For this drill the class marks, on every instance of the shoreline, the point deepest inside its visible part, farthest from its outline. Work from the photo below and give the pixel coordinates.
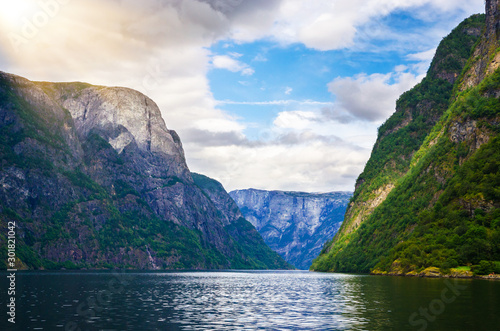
(433, 272)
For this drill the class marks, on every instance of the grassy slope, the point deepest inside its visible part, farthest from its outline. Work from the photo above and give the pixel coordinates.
(417, 111)
(395, 220)
(462, 225)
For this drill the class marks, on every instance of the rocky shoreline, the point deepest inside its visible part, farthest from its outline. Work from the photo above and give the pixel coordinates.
(433, 272)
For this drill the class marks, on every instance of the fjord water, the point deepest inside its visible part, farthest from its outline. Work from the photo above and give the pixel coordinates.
(243, 300)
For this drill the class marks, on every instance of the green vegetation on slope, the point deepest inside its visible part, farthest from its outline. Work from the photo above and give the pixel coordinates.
(119, 231)
(118, 237)
(417, 111)
(77, 203)
(443, 209)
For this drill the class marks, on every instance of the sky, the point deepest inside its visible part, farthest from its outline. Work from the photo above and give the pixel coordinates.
(267, 94)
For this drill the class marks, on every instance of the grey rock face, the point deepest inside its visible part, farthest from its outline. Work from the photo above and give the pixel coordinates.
(294, 224)
(248, 239)
(129, 114)
(93, 178)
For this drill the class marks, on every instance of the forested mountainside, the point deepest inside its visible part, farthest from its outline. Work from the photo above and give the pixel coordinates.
(429, 195)
(93, 178)
(294, 224)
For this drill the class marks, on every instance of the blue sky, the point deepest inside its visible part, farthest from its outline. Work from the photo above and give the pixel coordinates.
(295, 76)
(291, 73)
(269, 94)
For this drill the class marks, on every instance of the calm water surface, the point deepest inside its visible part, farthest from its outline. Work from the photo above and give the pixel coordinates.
(288, 300)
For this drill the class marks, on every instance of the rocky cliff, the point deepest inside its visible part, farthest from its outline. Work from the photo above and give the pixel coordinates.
(294, 224)
(93, 178)
(245, 234)
(427, 197)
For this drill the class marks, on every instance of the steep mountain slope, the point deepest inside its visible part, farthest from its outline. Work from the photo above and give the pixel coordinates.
(428, 196)
(93, 178)
(294, 224)
(249, 241)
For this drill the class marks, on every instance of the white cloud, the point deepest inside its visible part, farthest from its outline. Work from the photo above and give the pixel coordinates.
(231, 64)
(326, 125)
(235, 55)
(422, 56)
(226, 124)
(328, 31)
(276, 102)
(423, 60)
(259, 58)
(328, 25)
(296, 120)
(309, 166)
(288, 90)
(371, 97)
(160, 48)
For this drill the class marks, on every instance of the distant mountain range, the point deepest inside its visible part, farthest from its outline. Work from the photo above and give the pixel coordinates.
(294, 224)
(93, 178)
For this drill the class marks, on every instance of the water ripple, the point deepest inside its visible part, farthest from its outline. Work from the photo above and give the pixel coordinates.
(242, 300)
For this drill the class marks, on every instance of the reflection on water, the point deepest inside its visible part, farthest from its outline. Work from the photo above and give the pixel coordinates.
(259, 300)
(287, 300)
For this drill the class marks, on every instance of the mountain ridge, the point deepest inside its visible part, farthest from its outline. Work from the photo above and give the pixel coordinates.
(294, 224)
(403, 198)
(93, 178)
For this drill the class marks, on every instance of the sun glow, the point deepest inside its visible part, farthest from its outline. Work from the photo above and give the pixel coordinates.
(13, 13)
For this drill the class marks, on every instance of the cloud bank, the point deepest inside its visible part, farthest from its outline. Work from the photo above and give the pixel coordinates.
(162, 48)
